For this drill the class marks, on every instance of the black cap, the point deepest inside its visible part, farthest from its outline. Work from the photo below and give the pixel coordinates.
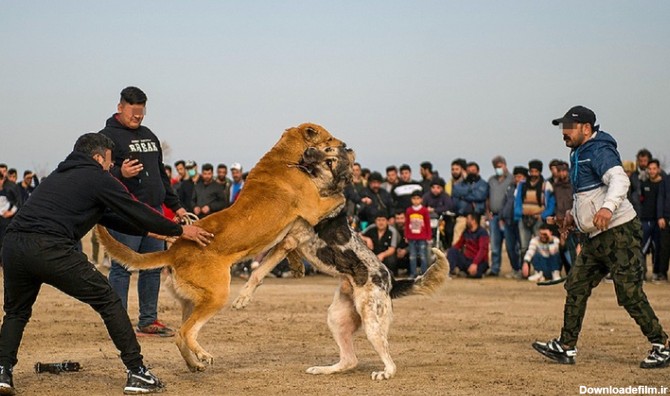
(375, 176)
(417, 193)
(437, 181)
(535, 164)
(578, 114)
(520, 170)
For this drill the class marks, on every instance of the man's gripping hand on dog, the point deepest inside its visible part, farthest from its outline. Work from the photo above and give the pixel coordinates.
(190, 232)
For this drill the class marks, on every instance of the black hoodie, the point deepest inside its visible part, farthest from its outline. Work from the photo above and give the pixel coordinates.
(151, 185)
(79, 194)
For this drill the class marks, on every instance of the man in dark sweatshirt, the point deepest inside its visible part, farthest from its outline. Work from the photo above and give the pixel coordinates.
(40, 248)
(663, 213)
(138, 163)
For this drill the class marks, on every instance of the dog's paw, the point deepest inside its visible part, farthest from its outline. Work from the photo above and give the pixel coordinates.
(317, 370)
(196, 366)
(241, 302)
(381, 375)
(205, 357)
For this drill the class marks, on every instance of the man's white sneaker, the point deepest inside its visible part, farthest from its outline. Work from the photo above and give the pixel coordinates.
(555, 275)
(659, 357)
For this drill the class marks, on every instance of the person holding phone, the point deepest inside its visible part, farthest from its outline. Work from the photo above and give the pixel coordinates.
(138, 160)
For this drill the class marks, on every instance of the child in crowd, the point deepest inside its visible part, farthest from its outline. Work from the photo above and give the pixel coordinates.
(417, 233)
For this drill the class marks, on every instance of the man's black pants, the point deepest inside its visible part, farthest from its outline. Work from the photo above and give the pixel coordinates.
(29, 260)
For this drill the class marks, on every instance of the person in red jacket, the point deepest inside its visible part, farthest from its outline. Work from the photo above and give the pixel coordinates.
(470, 254)
(417, 233)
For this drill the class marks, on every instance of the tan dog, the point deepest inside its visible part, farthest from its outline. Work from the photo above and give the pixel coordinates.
(279, 198)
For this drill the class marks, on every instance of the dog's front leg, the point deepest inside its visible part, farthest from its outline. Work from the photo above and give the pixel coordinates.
(268, 263)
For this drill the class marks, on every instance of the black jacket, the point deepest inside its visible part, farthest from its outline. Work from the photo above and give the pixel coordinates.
(151, 185)
(212, 195)
(663, 208)
(79, 194)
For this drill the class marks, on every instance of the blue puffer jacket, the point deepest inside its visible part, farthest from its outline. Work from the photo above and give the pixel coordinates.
(599, 181)
(469, 197)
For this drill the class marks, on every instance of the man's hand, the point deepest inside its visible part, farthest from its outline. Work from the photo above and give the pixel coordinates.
(368, 242)
(366, 200)
(205, 209)
(472, 269)
(602, 219)
(525, 269)
(662, 224)
(197, 234)
(130, 168)
(181, 213)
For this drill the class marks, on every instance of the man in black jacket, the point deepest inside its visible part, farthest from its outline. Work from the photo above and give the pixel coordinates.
(40, 248)
(138, 161)
(208, 195)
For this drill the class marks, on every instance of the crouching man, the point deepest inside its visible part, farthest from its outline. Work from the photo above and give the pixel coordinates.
(39, 247)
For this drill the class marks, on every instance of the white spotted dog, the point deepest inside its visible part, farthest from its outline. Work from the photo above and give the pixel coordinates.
(365, 291)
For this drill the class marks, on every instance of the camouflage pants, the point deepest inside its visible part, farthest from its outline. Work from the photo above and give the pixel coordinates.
(616, 251)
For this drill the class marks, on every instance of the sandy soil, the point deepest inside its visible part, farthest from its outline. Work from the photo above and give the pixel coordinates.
(472, 337)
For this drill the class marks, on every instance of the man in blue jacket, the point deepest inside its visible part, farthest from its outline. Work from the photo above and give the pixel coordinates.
(469, 196)
(601, 209)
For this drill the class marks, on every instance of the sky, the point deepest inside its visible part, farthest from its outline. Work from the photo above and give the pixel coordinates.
(398, 81)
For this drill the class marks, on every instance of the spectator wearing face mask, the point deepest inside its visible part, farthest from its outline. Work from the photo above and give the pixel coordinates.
(469, 197)
(498, 185)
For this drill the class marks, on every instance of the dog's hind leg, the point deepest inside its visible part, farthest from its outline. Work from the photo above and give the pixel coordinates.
(376, 312)
(203, 310)
(343, 321)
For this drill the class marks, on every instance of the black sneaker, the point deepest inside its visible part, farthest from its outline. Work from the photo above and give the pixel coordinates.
(555, 351)
(142, 381)
(659, 357)
(6, 383)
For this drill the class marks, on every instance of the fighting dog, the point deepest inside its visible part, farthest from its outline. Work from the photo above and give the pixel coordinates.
(365, 291)
(279, 199)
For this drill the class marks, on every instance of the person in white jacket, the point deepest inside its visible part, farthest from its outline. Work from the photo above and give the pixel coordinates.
(543, 255)
(601, 209)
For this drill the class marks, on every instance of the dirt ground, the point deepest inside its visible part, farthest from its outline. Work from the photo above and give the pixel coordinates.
(472, 337)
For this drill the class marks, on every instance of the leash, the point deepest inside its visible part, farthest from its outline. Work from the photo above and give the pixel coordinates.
(189, 219)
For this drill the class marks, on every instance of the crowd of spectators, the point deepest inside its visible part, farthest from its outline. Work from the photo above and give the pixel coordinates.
(470, 218)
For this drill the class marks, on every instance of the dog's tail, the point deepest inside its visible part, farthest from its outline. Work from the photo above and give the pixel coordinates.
(129, 257)
(426, 284)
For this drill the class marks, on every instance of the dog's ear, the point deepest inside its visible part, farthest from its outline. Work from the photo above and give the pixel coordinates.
(311, 134)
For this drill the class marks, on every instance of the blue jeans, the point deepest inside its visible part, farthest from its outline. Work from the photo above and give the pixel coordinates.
(651, 241)
(458, 260)
(148, 282)
(417, 247)
(546, 264)
(512, 245)
(497, 235)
